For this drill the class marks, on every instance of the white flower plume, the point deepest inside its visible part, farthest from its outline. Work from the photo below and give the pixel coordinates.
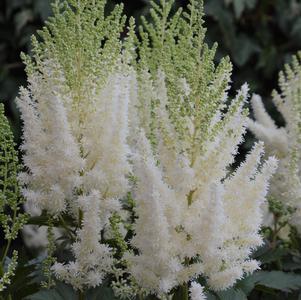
(207, 216)
(283, 142)
(100, 126)
(93, 260)
(196, 291)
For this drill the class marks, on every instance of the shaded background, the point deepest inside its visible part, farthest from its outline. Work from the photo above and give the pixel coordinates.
(259, 35)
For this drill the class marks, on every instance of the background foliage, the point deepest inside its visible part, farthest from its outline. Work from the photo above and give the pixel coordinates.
(258, 35)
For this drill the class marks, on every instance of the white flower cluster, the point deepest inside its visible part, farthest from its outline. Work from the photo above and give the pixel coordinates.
(92, 258)
(197, 220)
(50, 150)
(283, 142)
(196, 292)
(76, 171)
(99, 125)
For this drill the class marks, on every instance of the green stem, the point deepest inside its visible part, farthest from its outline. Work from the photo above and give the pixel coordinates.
(80, 217)
(81, 295)
(15, 208)
(185, 291)
(189, 197)
(140, 296)
(10, 239)
(181, 293)
(68, 230)
(275, 233)
(1, 271)
(5, 251)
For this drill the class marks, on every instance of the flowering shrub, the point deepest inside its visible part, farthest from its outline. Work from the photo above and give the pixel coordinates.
(128, 152)
(283, 142)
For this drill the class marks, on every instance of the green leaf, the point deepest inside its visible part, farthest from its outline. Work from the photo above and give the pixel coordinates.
(65, 292)
(232, 294)
(239, 6)
(246, 285)
(42, 8)
(22, 18)
(210, 296)
(60, 292)
(277, 280)
(102, 292)
(181, 293)
(244, 48)
(291, 266)
(273, 255)
(251, 3)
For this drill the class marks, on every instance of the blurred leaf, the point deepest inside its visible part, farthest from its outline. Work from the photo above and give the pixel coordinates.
(232, 294)
(60, 292)
(42, 8)
(239, 6)
(65, 292)
(268, 61)
(251, 3)
(22, 18)
(279, 280)
(102, 292)
(243, 48)
(12, 5)
(296, 29)
(210, 296)
(274, 280)
(273, 255)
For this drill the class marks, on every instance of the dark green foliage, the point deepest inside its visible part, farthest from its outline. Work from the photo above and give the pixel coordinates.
(19, 19)
(10, 219)
(64, 292)
(258, 35)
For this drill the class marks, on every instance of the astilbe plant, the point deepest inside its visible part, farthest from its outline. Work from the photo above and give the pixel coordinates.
(283, 142)
(11, 218)
(128, 153)
(74, 113)
(199, 219)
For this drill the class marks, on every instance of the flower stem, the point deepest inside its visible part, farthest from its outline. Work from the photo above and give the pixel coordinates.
(81, 295)
(181, 293)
